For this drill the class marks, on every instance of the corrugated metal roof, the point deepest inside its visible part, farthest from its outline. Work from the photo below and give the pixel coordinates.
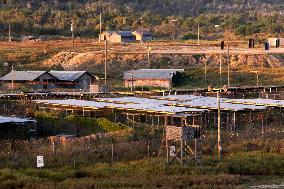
(145, 33)
(125, 33)
(121, 33)
(67, 75)
(14, 120)
(151, 73)
(22, 75)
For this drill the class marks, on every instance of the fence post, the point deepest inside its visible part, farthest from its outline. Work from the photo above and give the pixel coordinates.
(148, 148)
(111, 151)
(181, 152)
(74, 159)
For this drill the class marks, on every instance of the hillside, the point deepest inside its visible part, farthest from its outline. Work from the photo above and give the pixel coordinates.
(92, 61)
(53, 17)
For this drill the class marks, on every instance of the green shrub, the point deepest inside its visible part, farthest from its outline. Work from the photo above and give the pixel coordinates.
(255, 163)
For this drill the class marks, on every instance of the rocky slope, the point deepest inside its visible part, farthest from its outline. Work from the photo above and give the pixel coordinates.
(94, 62)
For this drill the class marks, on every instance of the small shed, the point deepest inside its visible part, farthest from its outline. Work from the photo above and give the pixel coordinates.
(163, 78)
(29, 79)
(142, 35)
(73, 79)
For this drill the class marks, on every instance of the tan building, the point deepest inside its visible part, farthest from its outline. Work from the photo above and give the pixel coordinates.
(118, 36)
(142, 35)
(151, 77)
(272, 41)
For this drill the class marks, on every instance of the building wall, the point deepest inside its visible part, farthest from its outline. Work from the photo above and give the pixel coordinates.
(140, 37)
(45, 81)
(128, 39)
(149, 82)
(84, 82)
(114, 38)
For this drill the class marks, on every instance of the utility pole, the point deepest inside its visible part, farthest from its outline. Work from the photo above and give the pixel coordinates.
(100, 27)
(72, 30)
(198, 33)
(219, 125)
(228, 61)
(105, 62)
(9, 38)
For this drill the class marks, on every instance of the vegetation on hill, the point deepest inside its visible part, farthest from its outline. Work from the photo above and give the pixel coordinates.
(164, 17)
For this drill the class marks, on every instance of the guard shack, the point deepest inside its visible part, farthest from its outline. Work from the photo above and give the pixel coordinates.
(178, 139)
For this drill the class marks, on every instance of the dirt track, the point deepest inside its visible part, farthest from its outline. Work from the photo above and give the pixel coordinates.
(168, 47)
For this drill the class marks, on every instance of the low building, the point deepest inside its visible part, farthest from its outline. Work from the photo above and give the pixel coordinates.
(73, 79)
(38, 80)
(142, 35)
(28, 79)
(118, 36)
(164, 78)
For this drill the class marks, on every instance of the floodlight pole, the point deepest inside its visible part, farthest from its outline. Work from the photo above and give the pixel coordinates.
(100, 27)
(72, 30)
(219, 125)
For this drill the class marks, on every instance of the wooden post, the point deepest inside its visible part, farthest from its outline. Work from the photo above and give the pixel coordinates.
(53, 147)
(262, 126)
(205, 73)
(234, 121)
(164, 133)
(112, 152)
(167, 151)
(74, 159)
(195, 143)
(105, 62)
(148, 149)
(181, 152)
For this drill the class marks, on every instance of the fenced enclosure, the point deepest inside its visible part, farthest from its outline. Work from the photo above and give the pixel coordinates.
(141, 142)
